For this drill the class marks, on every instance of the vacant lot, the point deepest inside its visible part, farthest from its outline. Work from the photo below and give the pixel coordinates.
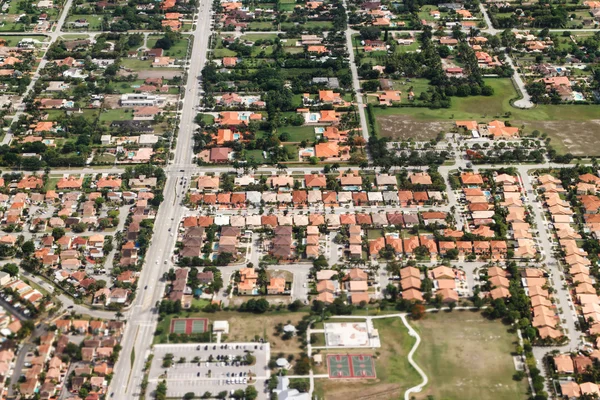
(470, 360)
(559, 120)
(403, 127)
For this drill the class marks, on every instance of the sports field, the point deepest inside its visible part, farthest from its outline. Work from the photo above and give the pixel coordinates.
(341, 366)
(189, 326)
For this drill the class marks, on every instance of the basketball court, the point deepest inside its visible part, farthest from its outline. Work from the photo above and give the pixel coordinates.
(189, 326)
(342, 366)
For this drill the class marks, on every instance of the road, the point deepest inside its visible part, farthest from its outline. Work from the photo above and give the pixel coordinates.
(53, 36)
(142, 317)
(356, 84)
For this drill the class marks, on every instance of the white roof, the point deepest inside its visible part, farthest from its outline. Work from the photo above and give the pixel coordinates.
(374, 196)
(221, 220)
(253, 197)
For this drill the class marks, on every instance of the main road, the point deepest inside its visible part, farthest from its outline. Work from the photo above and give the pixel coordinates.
(142, 316)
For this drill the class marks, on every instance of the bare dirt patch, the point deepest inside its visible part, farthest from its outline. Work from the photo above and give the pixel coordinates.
(244, 328)
(580, 138)
(403, 127)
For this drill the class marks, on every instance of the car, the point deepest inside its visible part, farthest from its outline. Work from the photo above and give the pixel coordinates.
(70, 307)
(145, 287)
(197, 347)
(198, 374)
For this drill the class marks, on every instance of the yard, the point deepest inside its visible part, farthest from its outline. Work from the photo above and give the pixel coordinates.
(470, 360)
(94, 21)
(117, 114)
(13, 40)
(298, 133)
(178, 50)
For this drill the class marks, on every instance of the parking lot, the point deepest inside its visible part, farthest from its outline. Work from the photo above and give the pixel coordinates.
(210, 367)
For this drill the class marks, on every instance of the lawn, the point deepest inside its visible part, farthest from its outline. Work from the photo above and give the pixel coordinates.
(374, 234)
(256, 155)
(394, 373)
(470, 360)
(135, 64)
(14, 40)
(299, 133)
(117, 114)
(51, 182)
(261, 26)
(178, 50)
(95, 22)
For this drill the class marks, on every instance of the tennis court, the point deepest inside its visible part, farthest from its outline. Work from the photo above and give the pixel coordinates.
(189, 325)
(350, 366)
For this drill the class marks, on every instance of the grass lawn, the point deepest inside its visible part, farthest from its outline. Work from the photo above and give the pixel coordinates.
(470, 360)
(208, 119)
(220, 53)
(95, 22)
(14, 40)
(299, 133)
(51, 182)
(258, 36)
(256, 155)
(374, 234)
(394, 373)
(178, 50)
(261, 25)
(135, 64)
(104, 158)
(292, 150)
(118, 114)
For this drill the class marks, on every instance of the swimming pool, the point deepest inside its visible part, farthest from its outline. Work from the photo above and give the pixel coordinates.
(236, 136)
(319, 129)
(313, 117)
(577, 96)
(352, 188)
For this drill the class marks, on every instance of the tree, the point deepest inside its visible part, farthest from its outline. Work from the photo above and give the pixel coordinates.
(417, 311)
(11, 269)
(28, 247)
(57, 233)
(251, 393)
(370, 33)
(189, 395)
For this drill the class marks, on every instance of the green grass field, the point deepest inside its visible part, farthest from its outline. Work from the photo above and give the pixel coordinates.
(14, 40)
(470, 360)
(299, 133)
(178, 50)
(95, 22)
(118, 114)
(256, 155)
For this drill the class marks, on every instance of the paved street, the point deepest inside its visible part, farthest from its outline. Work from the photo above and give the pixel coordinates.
(142, 318)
